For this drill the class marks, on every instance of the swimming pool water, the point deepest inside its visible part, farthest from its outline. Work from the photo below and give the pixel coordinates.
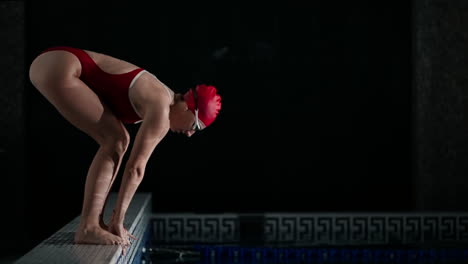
(270, 254)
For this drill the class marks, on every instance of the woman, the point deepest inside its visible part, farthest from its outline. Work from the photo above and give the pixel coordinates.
(98, 94)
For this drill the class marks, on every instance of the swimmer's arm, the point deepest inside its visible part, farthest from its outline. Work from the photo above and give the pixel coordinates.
(153, 129)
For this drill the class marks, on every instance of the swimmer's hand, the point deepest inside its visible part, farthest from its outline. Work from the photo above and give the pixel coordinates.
(117, 228)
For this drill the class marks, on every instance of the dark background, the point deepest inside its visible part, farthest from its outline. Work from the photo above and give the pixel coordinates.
(318, 107)
(315, 117)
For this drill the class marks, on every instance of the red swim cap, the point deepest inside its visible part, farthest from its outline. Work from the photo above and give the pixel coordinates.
(206, 100)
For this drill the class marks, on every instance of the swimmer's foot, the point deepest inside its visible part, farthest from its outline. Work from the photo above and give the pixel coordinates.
(97, 235)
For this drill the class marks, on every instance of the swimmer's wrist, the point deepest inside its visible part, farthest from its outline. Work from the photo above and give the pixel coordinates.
(118, 217)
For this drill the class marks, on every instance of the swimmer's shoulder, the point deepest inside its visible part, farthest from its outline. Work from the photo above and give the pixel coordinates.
(148, 90)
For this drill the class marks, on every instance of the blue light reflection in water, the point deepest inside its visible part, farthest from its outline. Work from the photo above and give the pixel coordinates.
(269, 255)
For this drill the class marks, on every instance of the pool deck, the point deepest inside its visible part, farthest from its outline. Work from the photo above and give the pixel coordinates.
(60, 248)
(272, 229)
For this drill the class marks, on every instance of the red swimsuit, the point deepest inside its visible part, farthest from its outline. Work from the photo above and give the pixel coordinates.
(112, 89)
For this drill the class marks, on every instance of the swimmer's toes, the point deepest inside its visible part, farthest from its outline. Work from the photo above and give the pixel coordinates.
(95, 235)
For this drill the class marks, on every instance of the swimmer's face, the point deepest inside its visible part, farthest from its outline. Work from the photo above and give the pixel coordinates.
(181, 118)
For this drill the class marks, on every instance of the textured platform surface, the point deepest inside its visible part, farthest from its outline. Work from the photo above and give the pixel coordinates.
(60, 248)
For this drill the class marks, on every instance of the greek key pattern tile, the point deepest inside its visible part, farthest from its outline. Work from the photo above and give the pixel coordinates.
(196, 228)
(315, 228)
(330, 229)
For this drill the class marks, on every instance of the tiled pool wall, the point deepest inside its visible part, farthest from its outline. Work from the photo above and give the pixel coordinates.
(313, 228)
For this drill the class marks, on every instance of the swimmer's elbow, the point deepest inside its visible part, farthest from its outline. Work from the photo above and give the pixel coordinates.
(137, 162)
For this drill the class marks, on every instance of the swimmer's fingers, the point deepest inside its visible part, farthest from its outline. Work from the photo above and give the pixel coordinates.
(124, 249)
(132, 236)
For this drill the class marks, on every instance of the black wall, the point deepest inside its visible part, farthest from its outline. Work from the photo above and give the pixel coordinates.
(13, 168)
(440, 41)
(316, 106)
